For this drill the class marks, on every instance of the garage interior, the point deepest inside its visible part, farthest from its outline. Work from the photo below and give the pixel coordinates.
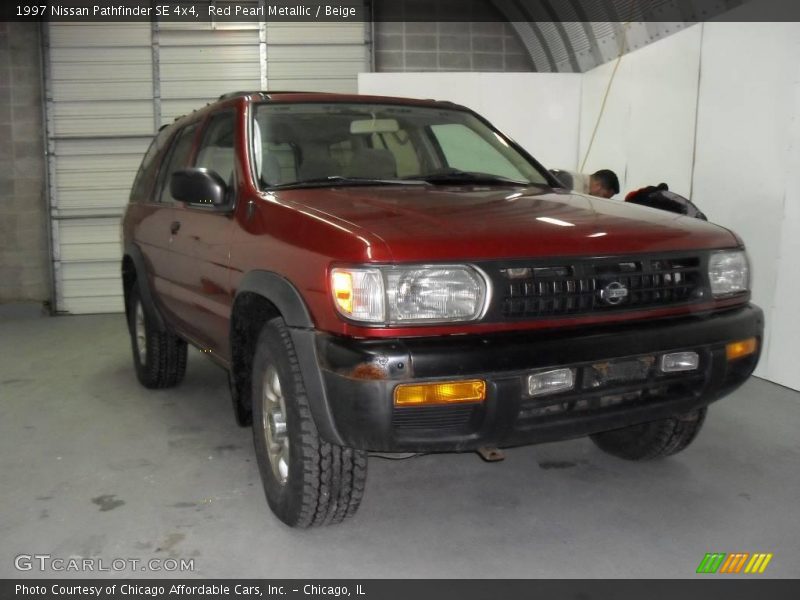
(94, 465)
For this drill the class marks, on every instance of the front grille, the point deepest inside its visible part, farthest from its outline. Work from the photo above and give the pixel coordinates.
(600, 285)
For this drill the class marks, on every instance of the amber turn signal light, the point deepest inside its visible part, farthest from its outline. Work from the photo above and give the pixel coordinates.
(441, 393)
(736, 350)
(343, 290)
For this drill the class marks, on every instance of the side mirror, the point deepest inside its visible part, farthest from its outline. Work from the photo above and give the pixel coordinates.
(564, 178)
(200, 187)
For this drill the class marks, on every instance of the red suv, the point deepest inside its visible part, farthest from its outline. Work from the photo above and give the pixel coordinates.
(393, 275)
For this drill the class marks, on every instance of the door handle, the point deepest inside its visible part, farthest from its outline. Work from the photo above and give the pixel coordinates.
(176, 225)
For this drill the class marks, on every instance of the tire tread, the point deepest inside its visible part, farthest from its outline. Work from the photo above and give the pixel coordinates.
(333, 476)
(654, 440)
(167, 354)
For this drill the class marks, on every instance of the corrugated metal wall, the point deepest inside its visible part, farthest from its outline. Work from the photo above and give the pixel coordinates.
(316, 56)
(100, 117)
(110, 86)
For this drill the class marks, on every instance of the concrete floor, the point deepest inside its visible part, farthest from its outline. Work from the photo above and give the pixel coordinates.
(93, 465)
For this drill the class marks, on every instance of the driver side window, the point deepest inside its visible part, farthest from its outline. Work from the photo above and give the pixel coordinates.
(178, 157)
(216, 152)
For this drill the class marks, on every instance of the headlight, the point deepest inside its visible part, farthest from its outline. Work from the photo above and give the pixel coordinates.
(728, 272)
(397, 295)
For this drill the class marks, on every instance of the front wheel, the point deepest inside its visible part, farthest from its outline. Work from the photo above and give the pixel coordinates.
(656, 439)
(307, 480)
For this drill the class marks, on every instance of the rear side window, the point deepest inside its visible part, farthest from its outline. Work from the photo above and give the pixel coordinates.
(146, 176)
(177, 159)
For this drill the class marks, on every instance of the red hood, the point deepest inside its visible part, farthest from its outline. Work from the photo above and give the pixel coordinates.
(473, 222)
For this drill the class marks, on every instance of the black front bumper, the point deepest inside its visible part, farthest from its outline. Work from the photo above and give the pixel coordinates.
(351, 382)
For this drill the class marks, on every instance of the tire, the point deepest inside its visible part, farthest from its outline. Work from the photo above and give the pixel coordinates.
(307, 481)
(656, 439)
(159, 356)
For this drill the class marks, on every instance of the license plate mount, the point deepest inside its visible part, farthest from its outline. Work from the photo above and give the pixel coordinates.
(618, 372)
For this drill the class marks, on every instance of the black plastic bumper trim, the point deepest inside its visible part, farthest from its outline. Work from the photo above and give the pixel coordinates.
(355, 379)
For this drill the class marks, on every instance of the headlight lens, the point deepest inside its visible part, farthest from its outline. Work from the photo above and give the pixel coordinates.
(728, 272)
(397, 295)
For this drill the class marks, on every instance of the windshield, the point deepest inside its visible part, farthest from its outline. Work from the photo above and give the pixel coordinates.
(381, 144)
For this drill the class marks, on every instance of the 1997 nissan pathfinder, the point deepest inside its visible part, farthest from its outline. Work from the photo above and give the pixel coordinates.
(393, 275)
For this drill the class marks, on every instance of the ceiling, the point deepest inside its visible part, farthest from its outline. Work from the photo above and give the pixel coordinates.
(573, 36)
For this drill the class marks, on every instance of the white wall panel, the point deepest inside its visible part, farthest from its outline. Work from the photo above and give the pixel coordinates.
(88, 266)
(746, 108)
(198, 66)
(107, 90)
(746, 169)
(172, 109)
(95, 35)
(81, 74)
(92, 184)
(100, 118)
(214, 63)
(323, 57)
(86, 72)
(173, 58)
(314, 34)
(95, 175)
(538, 110)
(90, 287)
(610, 142)
(205, 36)
(90, 240)
(646, 132)
(105, 147)
(782, 364)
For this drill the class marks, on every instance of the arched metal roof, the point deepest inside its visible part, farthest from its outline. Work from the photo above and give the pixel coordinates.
(573, 36)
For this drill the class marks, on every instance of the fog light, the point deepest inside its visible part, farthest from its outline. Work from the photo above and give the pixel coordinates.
(550, 382)
(447, 392)
(676, 362)
(739, 349)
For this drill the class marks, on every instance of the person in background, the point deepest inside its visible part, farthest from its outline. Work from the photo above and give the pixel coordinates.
(603, 183)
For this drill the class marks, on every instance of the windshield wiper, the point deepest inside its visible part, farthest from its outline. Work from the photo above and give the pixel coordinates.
(340, 181)
(454, 176)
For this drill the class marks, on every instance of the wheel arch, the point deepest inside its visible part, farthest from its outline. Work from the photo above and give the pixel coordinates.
(134, 271)
(261, 296)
